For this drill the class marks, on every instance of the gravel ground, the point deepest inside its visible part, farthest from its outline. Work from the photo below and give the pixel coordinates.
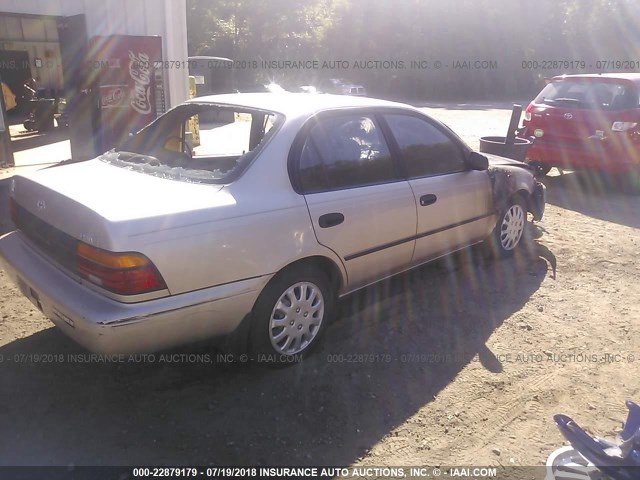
(464, 361)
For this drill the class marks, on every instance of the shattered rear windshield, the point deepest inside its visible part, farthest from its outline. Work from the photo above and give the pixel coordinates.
(199, 143)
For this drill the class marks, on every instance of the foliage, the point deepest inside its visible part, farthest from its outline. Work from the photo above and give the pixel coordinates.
(424, 31)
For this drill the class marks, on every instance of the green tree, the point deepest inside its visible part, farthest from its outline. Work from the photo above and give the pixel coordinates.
(432, 30)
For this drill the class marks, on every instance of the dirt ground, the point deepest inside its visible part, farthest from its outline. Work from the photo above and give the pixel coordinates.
(464, 361)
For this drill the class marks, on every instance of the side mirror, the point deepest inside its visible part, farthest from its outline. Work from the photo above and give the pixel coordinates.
(477, 161)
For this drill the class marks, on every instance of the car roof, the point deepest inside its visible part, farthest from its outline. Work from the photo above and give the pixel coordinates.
(295, 104)
(634, 77)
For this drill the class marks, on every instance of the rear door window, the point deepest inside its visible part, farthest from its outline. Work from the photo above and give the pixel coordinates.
(345, 151)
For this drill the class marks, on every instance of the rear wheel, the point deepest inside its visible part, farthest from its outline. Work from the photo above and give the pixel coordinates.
(290, 315)
(541, 169)
(509, 230)
(30, 125)
(631, 182)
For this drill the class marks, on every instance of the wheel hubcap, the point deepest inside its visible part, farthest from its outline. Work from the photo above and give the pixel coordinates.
(512, 227)
(296, 318)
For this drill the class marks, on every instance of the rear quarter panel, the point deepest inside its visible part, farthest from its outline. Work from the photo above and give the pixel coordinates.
(254, 240)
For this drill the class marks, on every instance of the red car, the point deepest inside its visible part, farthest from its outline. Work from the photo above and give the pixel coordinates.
(586, 122)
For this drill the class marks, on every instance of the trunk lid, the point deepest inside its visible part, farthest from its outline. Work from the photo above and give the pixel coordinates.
(103, 204)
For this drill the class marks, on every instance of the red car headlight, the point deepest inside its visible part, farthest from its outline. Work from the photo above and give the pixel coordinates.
(623, 126)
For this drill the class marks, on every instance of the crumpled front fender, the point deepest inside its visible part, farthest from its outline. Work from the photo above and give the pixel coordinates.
(508, 180)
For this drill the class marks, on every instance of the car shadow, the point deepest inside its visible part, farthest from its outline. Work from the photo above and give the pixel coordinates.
(594, 195)
(391, 350)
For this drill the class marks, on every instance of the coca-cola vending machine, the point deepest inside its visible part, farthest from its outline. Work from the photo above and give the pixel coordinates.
(127, 84)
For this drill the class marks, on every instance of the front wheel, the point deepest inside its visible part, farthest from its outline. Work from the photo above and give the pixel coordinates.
(290, 315)
(509, 230)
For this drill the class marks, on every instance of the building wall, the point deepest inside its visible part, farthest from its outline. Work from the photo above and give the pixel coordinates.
(39, 38)
(166, 18)
(50, 74)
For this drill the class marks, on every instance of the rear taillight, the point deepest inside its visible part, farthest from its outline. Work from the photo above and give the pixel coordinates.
(623, 126)
(123, 273)
(527, 113)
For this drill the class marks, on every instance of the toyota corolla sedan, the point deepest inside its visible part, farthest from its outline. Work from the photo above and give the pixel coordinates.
(251, 214)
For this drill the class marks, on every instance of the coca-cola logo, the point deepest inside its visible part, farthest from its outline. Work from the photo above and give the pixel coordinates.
(140, 72)
(112, 97)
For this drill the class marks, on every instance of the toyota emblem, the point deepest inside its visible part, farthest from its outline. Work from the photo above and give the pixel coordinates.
(41, 205)
(568, 116)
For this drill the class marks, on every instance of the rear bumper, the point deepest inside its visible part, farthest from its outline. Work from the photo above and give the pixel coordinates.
(103, 325)
(611, 156)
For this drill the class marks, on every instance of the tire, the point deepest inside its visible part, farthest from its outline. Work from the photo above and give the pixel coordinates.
(508, 234)
(290, 316)
(541, 169)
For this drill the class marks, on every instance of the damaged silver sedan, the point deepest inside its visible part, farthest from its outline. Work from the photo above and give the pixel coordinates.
(251, 214)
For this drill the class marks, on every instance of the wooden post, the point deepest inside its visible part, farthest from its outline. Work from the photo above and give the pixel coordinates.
(513, 124)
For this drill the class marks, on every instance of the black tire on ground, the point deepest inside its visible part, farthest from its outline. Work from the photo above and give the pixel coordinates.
(290, 315)
(630, 182)
(540, 168)
(508, 235)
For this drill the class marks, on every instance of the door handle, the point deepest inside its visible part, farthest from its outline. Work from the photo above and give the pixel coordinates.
(330, 219)
(428, 199)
